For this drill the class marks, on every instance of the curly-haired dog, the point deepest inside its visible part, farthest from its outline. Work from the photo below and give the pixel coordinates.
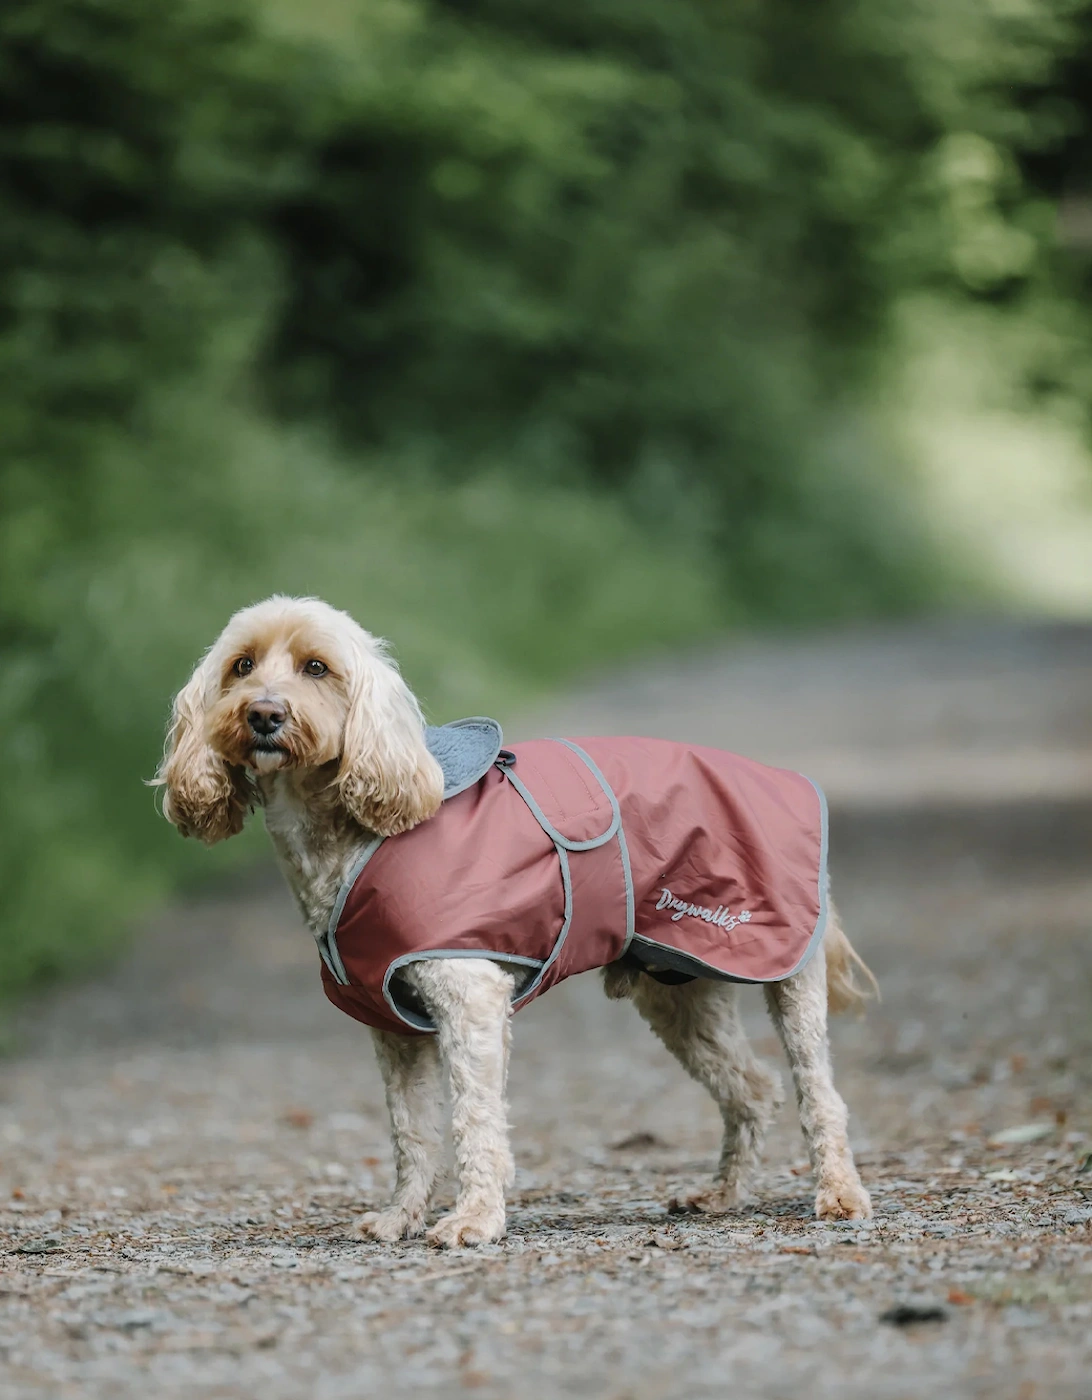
(680, 889)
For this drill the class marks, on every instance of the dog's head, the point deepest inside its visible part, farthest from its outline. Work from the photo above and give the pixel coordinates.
(292, 683)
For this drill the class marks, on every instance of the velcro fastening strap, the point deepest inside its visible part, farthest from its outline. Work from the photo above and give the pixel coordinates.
(566, 793)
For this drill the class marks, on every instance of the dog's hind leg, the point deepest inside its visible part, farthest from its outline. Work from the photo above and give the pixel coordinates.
(799, 1010)
(410, 1065)
(699, 1025)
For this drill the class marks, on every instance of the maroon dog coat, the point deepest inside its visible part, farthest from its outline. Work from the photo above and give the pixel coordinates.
(559, 856)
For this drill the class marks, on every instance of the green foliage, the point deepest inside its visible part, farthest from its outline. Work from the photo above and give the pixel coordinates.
(637, 244)
(531, 332)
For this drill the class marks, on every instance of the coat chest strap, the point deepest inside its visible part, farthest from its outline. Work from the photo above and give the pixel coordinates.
(578, 810)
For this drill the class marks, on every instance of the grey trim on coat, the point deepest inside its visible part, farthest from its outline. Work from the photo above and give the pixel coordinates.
(424, 1023)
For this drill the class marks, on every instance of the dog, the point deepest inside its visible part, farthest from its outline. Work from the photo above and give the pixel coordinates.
(298, 710)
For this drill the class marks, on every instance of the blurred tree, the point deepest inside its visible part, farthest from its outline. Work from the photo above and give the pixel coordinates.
(640, 245)
(113, 217)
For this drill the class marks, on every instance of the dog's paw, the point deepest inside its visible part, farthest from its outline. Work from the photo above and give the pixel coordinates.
(388, 1225)
(843, 1200)
(461, 1227)
(720, 1199)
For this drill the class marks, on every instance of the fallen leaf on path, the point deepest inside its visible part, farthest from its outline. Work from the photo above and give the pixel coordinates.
(636, 1141)
(959, 1298)
(48, 1246)
(1023, 1132)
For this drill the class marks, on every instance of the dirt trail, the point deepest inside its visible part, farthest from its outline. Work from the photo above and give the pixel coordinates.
(183, 1143)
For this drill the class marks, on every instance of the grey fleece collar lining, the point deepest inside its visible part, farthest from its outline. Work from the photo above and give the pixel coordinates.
(465, 750)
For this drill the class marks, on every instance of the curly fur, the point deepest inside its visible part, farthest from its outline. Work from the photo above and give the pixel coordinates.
(360, 717)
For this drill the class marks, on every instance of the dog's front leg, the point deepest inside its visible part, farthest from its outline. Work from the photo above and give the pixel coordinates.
(469, 1000)
(410, 1065)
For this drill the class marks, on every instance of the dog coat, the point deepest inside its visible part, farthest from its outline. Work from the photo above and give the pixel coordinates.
(558, 856)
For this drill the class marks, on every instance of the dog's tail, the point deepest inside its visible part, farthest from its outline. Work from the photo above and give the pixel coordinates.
(845, 991)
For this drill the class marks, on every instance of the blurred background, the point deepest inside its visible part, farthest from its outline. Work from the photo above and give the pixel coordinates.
(536, 333)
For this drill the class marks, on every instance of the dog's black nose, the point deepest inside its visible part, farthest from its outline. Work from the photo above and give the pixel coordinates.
(265, 717)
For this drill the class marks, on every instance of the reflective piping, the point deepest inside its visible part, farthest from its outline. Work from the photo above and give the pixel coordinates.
(824, 881)
(555, 951)
(623, 847)
(627, 875)
(323, 952)
(350, 880)
(684, 962)
(332, 956)
(424, 1023)
(540, 816)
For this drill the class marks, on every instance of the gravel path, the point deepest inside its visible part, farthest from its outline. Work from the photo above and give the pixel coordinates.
(183, 1143)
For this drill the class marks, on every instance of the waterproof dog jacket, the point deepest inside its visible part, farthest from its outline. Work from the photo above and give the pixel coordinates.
(558, 856)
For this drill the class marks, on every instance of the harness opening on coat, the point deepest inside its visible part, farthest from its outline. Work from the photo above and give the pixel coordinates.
(557, 856)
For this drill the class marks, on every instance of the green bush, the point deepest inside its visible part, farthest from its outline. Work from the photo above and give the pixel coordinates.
(639, 245)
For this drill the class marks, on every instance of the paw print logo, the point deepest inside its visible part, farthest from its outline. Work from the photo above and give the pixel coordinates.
(745, 916)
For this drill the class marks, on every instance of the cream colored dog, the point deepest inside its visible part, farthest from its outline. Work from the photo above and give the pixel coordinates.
(298, 710)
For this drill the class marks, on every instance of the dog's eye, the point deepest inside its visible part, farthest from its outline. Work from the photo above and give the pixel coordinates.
(243, 666)
(315, 668)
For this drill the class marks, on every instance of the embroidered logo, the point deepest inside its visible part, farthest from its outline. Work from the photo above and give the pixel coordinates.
(722, 916)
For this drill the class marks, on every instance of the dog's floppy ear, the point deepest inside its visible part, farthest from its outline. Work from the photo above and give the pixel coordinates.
(388, 780)
(203, 796)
